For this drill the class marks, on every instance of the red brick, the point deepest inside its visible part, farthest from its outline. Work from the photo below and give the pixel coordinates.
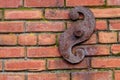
(27, 39)
(8, 52)
(107, 62)
(52, 76)
(117, 75)
(12, 76)
(61, 64)
(46, 39)
(92, 40)
(23, 14)
(8, 39)
(56, 14)
(31, 65)
(45, 26)
(6, 27)
(0, 66)
(44, 3)
(92, 75)
(85, 2)
(113, 2)
(10, 3)
(107, 37)
(93, 50)
(115, 49)
(114, 25)
(43, 52)
(106, 12)
(101, 25)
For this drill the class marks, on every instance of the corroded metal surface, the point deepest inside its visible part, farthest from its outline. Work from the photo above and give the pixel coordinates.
(78, 33)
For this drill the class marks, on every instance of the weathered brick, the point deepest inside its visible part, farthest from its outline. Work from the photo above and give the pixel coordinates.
(107, 37)
(43, 3)
(12, 76)
(56, 14)
(93, 50)
(101, 25)
(10, 3)
(85, 2)
(43, 52)
(45, 26)
(23, 14)
(8, 39)
(61, 64)
(92, 40)
(114, 25)
(115, 49)
(113, 2)
(10, 52)
(46, 39)
(93, 75)
(31, 65)
(27, 39)
(13, 26)
(106, 12)
(106, 62)
(117, 75)
(52, 76)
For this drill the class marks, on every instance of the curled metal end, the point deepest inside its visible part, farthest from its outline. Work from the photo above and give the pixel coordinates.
(78, 33)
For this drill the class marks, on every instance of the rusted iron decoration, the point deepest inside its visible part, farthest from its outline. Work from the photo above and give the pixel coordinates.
(79, 32)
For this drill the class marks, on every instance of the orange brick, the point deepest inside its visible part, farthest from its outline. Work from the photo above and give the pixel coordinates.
(114, 25)
(43, 52)
(107, 37)
(117, 75)
(52, 76)
(101, 25)
(10, 3)
(45, 26)
(23, 14)
(13, 26)
(31, 65)
(8, 39)
(92, 75)
(27, 39)
(44, 3)
(106, 12)
(8, 52)
(56, 14)
(107, 62)
(85, 2)
(46, 39)
(61, 64)
(113, 2)
(92, 40)
(115, 49)
(12, 76)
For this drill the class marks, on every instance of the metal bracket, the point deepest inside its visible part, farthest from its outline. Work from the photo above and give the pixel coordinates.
(79, 32)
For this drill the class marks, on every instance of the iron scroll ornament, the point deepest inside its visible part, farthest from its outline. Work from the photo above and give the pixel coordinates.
(79, 32)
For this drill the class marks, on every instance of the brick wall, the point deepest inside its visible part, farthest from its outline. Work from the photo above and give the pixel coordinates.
(29, 31)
